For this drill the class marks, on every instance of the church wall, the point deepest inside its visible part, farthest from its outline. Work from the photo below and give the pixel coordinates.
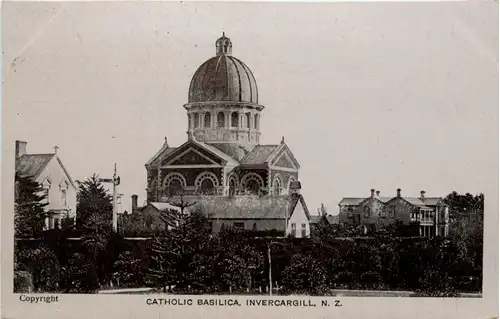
(190, 174)
(243, 171)
(284, 176)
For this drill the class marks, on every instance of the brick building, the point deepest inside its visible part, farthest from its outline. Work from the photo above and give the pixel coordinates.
(375, 211)
(222, 156)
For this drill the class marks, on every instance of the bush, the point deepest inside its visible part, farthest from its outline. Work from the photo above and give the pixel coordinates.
(23, 282)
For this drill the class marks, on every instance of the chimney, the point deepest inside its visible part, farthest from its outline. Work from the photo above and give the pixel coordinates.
(422, 194)
(377, 193)
(20, 148)
(134, 203)
(372, 192)
(399, 192)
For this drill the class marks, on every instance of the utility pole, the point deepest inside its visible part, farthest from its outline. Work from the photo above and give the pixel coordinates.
(270, 266)
(115, 181)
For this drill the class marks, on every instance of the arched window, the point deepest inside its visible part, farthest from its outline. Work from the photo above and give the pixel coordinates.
(247, 122)
(190, 119)
(207, 187)
(256, 121)
(196, 120)
(277, 187)
(174, 187)
(232, 187)
(206, 183)
(234, 119)
(253, 186)
(208, 119)
(220, 119)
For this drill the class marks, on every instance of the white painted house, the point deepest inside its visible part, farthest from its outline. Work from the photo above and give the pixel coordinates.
(48, 170)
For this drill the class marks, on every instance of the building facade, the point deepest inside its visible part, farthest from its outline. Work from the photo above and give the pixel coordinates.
(222, 156)
(49, 171)
(375, 211)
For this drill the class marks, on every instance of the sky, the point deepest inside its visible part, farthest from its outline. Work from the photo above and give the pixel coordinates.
(382, 96)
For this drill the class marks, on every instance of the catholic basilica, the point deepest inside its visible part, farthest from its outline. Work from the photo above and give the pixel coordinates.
(222, 155)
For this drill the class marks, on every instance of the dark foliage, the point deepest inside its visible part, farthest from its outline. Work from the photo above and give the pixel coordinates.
(29, 212)
(93, 199)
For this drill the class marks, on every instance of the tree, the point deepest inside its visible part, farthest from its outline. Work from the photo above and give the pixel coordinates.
(179, 255)
(29, 208)
(42, 264)
(93, 199)
(128, 269)
(463, 209)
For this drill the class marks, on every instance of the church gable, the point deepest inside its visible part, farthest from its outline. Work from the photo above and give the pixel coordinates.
(285, 159)
(191, 157)
(191, 154)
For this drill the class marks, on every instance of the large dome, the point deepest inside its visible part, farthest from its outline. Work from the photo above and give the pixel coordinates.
(223, 78)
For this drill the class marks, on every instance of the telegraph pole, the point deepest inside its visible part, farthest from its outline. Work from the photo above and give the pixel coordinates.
(115, 181)
(115, 206)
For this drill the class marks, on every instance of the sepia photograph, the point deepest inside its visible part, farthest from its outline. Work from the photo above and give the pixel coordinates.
(250, 154)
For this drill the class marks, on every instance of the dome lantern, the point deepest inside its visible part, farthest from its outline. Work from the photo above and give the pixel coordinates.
(223, 45)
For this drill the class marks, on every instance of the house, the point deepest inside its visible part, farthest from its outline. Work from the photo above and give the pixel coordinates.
(287, 213)
(48, 170)
(373, 212)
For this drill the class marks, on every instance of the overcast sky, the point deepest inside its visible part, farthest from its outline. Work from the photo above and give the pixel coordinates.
(384, 96)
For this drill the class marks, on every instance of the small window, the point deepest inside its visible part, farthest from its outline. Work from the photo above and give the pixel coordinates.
(220, 119)
(239, 226)
(196, 120)
(208, 118)
(63, 197)
(256, 121)
(247, 122)
(234, 119)
(294, 230)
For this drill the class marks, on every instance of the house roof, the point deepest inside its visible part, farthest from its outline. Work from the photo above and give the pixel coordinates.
(433, 201)
(163, 206)
(333, 219)
(246, 207)
(315, 219)
(32, 164)
(354, 201)
(259, 154)
(295, 200)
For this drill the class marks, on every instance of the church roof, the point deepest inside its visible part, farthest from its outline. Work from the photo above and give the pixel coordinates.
(229, 159)
(165, 149)
(260, 154)
(32, 164)
(238, 152)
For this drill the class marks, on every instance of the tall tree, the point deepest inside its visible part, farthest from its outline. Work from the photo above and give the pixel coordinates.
(93, 199)
(29, 209)
(179, 255)
(463, 209)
